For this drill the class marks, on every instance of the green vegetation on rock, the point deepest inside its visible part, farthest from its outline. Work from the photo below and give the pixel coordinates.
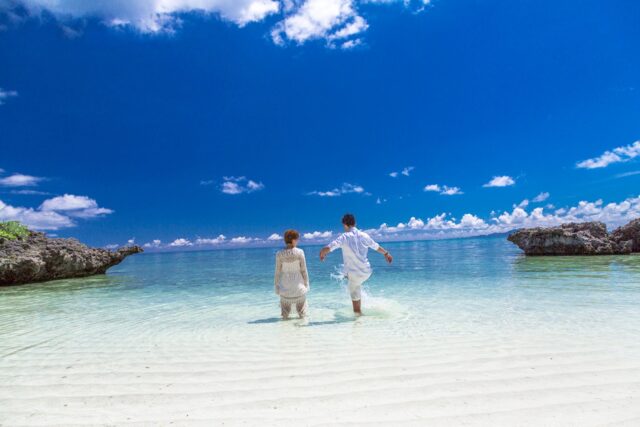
(12, 230)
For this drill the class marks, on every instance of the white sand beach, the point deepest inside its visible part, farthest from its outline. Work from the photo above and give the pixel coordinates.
(306, 377)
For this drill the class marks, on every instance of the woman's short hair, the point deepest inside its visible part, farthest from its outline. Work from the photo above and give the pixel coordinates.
(290, 236)
(349, 220)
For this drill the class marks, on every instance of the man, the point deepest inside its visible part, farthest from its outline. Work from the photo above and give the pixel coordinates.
(355, 244)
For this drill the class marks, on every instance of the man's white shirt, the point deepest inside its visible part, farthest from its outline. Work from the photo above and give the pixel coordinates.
(355, 245)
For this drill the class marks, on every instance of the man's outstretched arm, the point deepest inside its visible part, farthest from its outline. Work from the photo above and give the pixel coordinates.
(331, 247)
(386, 254)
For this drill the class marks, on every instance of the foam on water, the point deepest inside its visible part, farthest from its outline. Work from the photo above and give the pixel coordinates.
(372, 306)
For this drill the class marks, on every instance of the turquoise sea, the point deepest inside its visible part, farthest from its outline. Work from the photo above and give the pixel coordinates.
(195, 337)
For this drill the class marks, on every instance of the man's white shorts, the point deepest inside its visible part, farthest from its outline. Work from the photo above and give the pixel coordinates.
(355, 285)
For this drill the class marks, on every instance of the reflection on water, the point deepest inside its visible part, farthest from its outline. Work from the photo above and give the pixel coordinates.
(586, 264)
(65, 285)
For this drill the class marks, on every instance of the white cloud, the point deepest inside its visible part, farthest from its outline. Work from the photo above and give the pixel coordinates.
(68, 202)
(230, 187)
(220, 240)
(332, 20)
(211, 241)
(30, 193)
(514, 218)
(243, 240)
(541, 197)
(472, 222)
(444, 226)
(356, 26)
(6, 94)
(89, 213)
(626, 174)
(33, 218)
(338, 23)
(154, 244)
(111, 246)
(405, 171)
(238, 185)
(55, 213)
(617, 155)
(500, 181)
(350, 44)
(451, 191)
(346, 188)
(415, 223)
(444, 190)
(317, 235)
(152, 16)
(20, 180)
(331, 193)
(180, 243)
(74, 206)
(254, 186)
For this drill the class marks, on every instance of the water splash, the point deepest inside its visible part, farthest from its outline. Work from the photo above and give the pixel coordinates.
(372, 306)
(338, 274)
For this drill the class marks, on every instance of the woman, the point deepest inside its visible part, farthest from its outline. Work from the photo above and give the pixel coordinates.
(291, 280)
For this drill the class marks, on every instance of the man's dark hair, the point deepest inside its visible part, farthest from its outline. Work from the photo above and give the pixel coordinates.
(349, 220)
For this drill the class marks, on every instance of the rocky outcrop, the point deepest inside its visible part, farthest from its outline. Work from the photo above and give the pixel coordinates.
(38, 258)
(588, 238)
(629, 232)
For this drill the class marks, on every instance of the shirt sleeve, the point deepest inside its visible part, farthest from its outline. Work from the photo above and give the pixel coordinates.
(276, 277)
(369, 242)
(336, 243)
(303, 269)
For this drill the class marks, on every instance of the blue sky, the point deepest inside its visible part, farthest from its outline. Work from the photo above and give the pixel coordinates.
(246, 118)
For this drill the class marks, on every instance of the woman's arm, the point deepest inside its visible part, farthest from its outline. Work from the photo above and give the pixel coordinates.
(303, 270)
(276, 277)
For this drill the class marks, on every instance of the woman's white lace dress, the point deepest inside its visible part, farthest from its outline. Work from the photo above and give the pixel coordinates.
(291, 280)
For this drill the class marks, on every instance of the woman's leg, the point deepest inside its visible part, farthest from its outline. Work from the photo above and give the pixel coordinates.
(285, 308)
(301, 307)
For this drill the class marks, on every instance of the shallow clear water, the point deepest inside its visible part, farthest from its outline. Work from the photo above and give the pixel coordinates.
(219, 307)
(453, 286)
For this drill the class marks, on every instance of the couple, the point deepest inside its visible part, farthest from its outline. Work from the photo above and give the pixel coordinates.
(292, 280)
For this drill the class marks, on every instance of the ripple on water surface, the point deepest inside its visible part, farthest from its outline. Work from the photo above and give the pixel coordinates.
(199, 334)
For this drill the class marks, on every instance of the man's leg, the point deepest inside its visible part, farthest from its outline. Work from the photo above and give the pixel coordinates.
(355, 289)
(356, 307)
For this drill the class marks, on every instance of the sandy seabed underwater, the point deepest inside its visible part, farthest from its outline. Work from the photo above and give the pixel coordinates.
(457, 332)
